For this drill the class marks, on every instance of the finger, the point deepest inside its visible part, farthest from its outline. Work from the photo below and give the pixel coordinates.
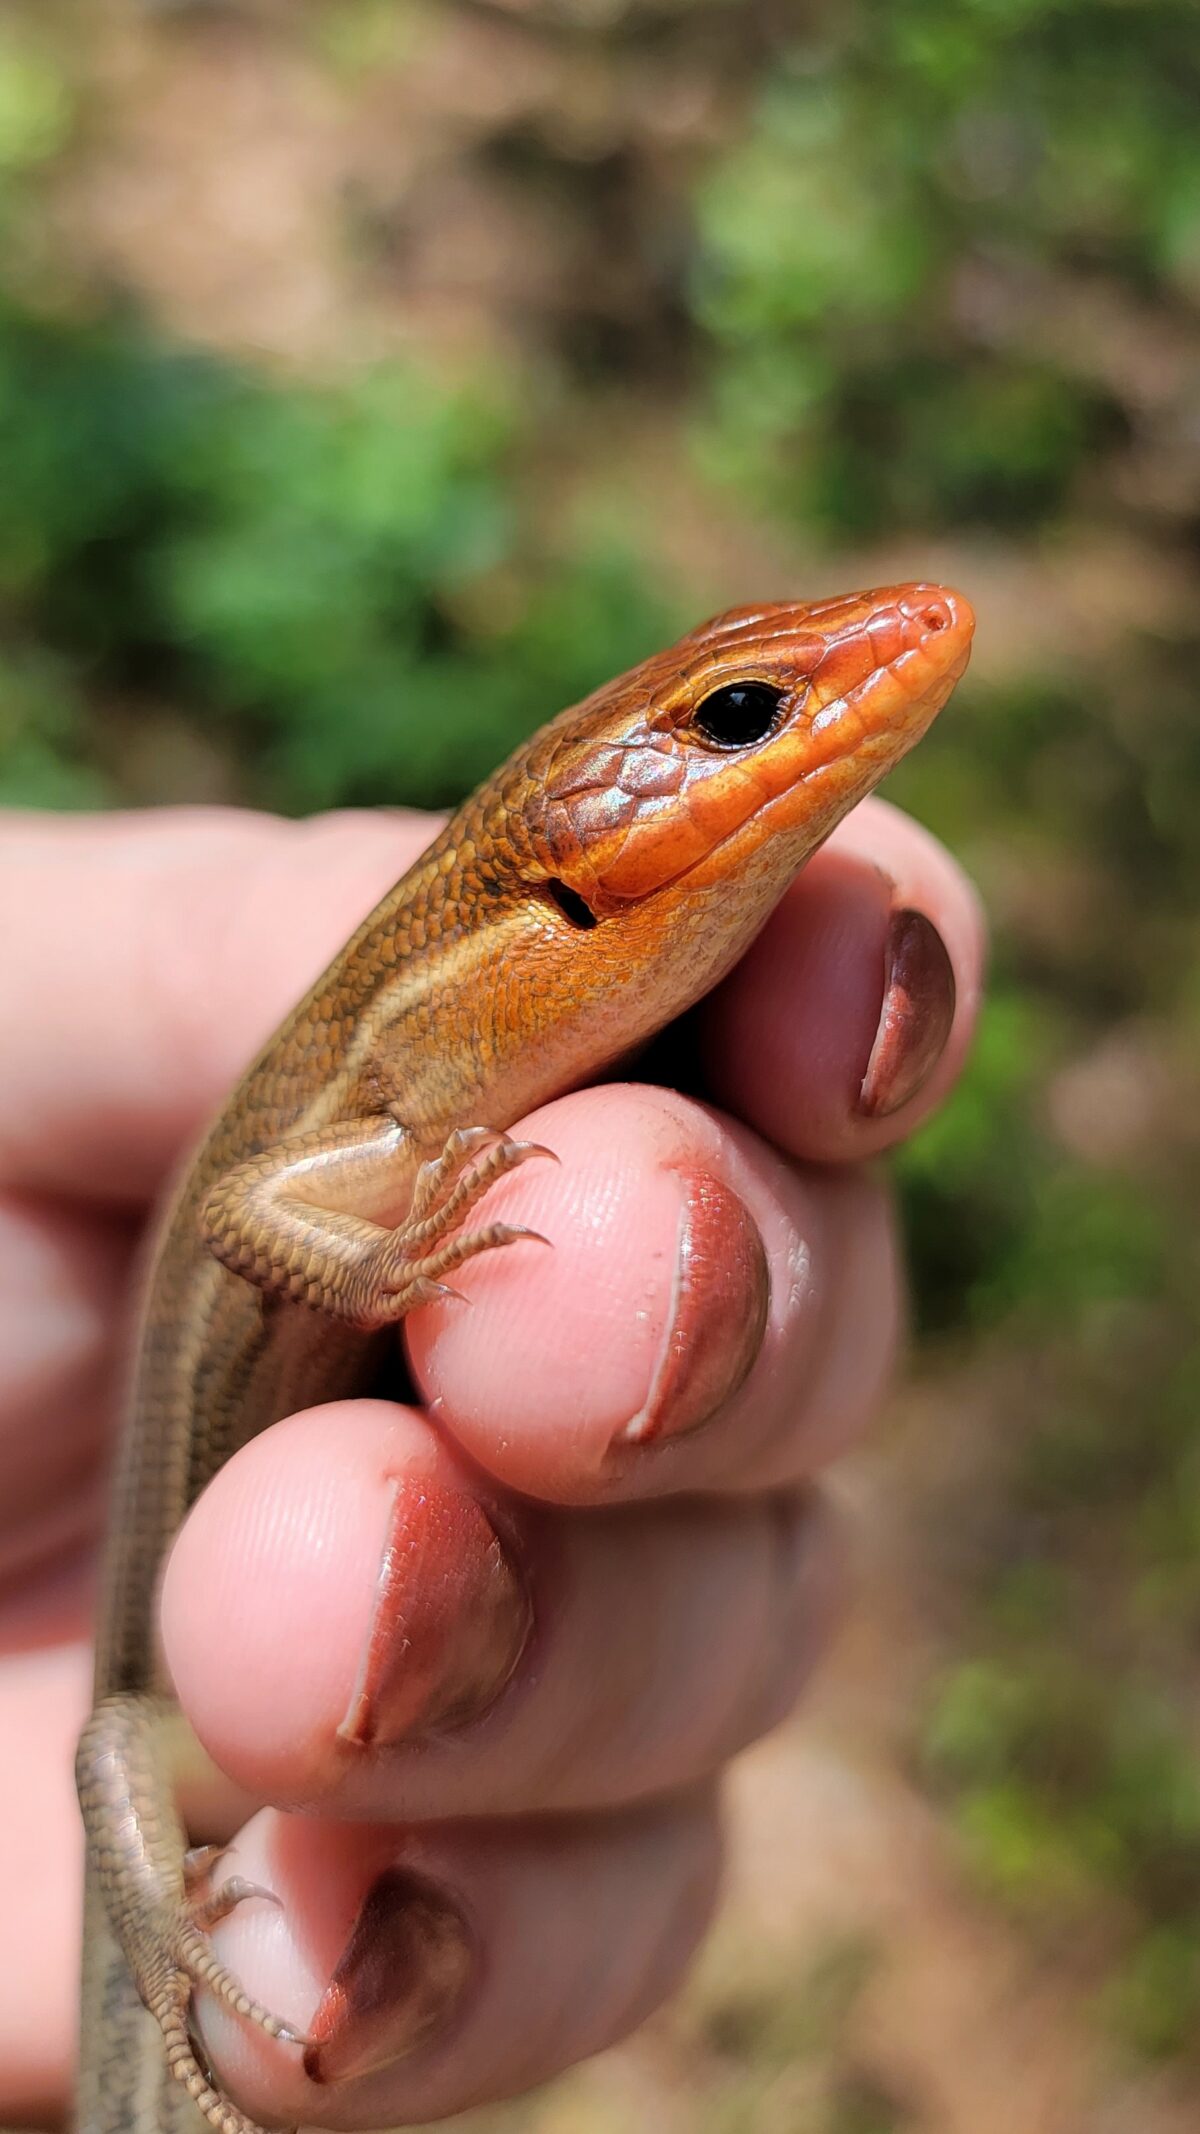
(444, 1968)
(43, 1698)
(62, 1277)
(851, 1015)
(710, 1316)
(154, 953)
(507, 1660)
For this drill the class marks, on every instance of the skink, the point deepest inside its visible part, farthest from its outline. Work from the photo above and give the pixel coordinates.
(599, 883)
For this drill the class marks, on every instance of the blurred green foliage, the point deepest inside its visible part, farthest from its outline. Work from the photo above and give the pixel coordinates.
(863, 371)
(309, 569)
(931, 274)
(1066, 1784)
(760, 2038)
(35, 104)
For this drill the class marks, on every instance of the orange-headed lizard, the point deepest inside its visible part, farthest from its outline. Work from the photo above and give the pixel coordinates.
(599, 883)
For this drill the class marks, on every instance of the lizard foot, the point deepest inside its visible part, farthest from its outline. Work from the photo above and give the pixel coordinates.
(193, 1953)
(428, 1244)
(192, 1962)
(449, 1186)
(184, 2062)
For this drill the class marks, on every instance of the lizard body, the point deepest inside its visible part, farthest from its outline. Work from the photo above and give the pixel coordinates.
(599, 883)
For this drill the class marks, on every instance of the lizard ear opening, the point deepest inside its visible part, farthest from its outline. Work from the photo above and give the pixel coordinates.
(571, 904)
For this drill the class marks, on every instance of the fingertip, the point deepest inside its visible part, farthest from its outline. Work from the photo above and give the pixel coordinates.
(351, 1565)
(642, 1320)
(852, 1015)
(452, 1966)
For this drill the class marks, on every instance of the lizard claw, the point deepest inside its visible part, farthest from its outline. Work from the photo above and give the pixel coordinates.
(433, 1293)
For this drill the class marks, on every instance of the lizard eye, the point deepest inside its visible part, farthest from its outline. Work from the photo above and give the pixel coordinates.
(737, 714)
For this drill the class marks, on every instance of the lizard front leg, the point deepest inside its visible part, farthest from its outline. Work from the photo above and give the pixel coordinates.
(347, 1219)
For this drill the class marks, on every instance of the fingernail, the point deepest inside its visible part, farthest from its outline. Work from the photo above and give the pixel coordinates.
(404, 1968)
(718, 1312)
(916, 1017)
(449, 1623)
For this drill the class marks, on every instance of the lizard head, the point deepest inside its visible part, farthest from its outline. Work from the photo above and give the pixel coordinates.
(745, 742)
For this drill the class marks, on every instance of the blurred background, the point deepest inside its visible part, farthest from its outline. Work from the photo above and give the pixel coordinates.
(376, 376)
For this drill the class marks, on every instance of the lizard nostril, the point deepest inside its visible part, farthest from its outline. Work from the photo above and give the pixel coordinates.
(937, 611)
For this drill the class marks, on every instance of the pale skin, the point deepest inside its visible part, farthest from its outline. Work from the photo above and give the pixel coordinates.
(669, 1636)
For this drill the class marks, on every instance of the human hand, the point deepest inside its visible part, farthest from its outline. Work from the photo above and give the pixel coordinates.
(615, 1568)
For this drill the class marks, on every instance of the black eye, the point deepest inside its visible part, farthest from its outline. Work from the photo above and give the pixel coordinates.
(738, 714)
